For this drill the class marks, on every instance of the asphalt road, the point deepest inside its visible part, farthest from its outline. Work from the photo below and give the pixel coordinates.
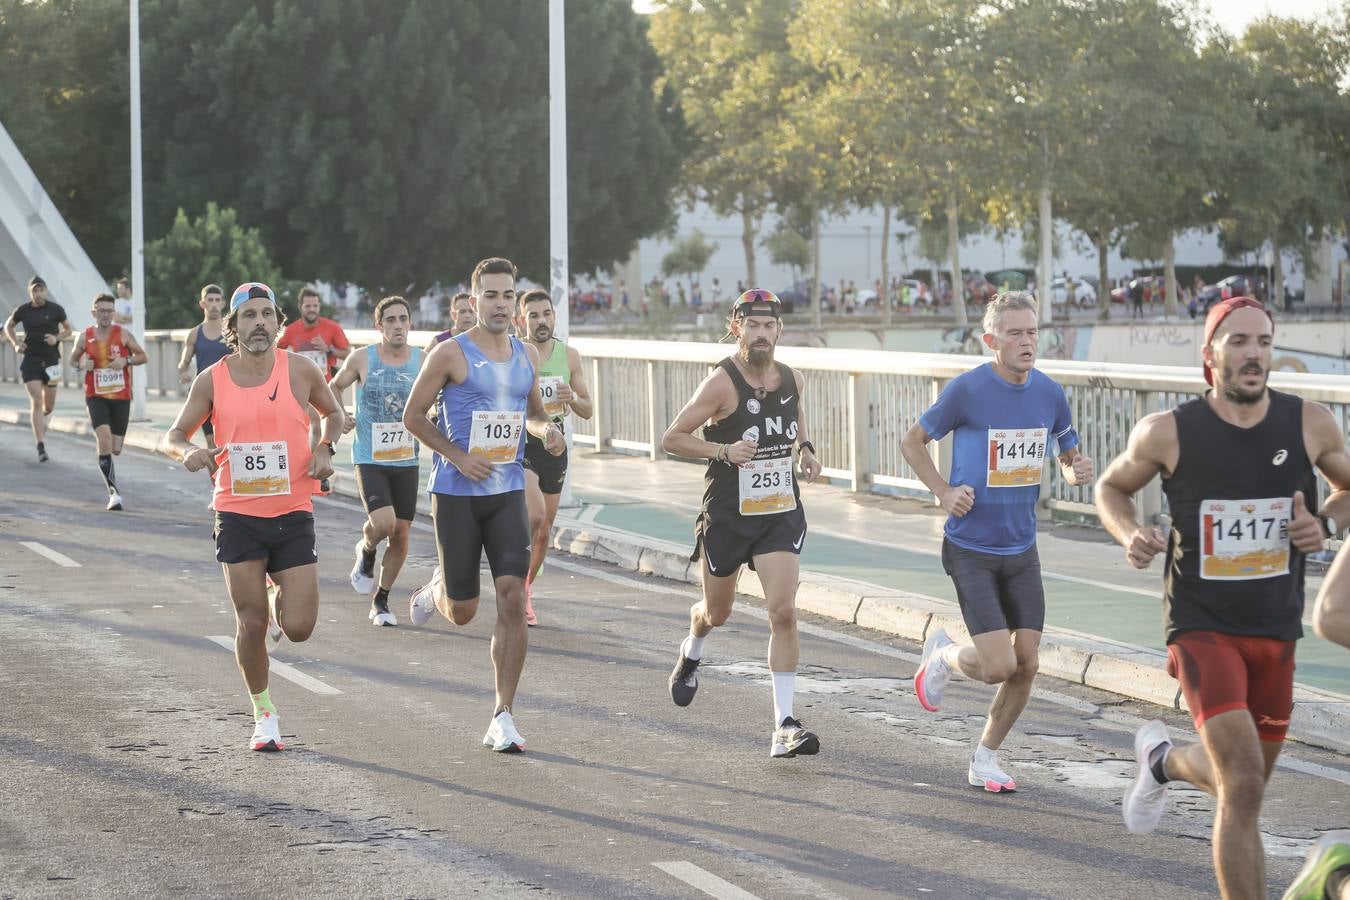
(123, 769)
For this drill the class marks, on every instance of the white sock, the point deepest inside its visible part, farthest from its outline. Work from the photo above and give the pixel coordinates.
(692, 648)
(984, 755)
(951, 655)
(784, 683)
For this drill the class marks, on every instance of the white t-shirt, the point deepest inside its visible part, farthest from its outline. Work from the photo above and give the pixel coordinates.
(124, 307)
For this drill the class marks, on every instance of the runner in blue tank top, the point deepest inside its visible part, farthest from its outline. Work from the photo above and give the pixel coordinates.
(205, 344)
(484, 387)
(1004, 416)
(384, 457)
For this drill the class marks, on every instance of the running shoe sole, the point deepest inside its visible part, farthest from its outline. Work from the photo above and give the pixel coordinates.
(268, 746)
(1144, 775)
(681, 693)
(808, 747)
(1329, 853)
(929, 648)
(991, 785)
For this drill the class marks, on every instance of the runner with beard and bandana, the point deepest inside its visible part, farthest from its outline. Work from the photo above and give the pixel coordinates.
(321, 341)
(751, 413)
(562, 388)
(265, 473)
(1237, 467)
(384, 457)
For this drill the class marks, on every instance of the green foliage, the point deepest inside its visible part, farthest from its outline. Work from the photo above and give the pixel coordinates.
(212, 248)
(787, 247)
(689, 256)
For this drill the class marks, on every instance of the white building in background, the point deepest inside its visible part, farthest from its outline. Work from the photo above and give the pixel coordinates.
(851, 249)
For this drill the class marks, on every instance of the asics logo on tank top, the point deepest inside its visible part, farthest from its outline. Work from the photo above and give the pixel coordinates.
(1280, 458)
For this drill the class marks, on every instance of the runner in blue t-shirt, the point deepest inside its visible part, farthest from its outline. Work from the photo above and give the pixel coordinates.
(1003, 417)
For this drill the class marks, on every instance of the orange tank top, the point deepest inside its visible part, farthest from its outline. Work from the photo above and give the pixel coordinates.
(105, 382)
(263, 436)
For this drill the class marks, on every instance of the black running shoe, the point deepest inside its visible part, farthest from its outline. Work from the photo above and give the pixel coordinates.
(684, 681)
(42, 453)
(792, 739)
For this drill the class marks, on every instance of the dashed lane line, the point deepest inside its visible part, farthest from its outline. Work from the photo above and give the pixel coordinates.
(704, 880)
(276, 667)
(59, 558)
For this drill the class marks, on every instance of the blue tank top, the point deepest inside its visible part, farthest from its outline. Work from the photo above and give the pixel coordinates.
(379, 408)
(492, 387)
(208, 352)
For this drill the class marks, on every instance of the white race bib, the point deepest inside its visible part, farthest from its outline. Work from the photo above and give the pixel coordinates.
(54, 372)
(766, 487)
(390, 442)
(318, 357)
(496, 435)
(1241, 540)
(259, 469)
(548, 390)
(1015, 457)
(109, 381)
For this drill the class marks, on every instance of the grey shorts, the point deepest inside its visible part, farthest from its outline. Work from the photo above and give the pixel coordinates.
(996, 593)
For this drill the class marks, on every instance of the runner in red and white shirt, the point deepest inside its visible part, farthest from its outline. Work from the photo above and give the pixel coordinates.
(320, 340)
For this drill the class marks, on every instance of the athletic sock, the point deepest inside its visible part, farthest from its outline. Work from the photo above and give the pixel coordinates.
(692, 648)
(42, 447)
(262, 703)
(951, 655)
(1336, 881)
(1157, 762)
(381, 598)
(784, 683)
(984, 755)
(105, 465)
(367, 560)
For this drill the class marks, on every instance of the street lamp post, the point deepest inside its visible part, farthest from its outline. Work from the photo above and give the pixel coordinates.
(137, 211)
(557, 188)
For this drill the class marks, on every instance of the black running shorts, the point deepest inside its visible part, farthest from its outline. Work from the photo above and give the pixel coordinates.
(729, 540)
(997, 593)
(113, 413)
(466, 527)
(285, 541)
(550, 469)
(382, 486)
(34, 368)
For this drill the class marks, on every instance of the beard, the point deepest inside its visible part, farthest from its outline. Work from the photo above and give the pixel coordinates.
(257, 342)
(1235, 394)
(541, 333)
(757, 355)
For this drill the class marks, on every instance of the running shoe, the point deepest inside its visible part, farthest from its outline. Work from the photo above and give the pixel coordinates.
(684, 681)
(363, 575)
(792, 739)
(380, 615)
(1331, 852)
(502, 735)
(1144, 801)
(266, 733)
(529, 608)
(42, 454)
(114, 501)
(423, 605)
(990, 776)
(274, 632)
(934, 673)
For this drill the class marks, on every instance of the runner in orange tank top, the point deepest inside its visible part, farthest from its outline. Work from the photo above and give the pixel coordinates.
(265, 475)
(105, 355)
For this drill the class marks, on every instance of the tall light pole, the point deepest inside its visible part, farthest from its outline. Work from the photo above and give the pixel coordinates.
(557, 187)
(137, 211)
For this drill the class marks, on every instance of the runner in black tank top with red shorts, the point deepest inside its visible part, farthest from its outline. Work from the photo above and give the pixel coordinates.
(1237, 467)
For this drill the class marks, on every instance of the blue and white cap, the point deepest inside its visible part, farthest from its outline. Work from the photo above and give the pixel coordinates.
(251, 290)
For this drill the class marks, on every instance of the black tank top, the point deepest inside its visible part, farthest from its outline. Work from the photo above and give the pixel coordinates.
(1230, 565)
(771, 421)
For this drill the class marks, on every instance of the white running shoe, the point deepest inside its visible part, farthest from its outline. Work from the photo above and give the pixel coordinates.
(1146, 798)
(363, 582)
(502, 735)
(990, 776)
(380, 615)
(934, 673)
(274, 632)
(423, 604)
(114, 501)
(266, 733)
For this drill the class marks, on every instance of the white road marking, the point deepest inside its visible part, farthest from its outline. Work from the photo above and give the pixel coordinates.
(590, 512)
(59, 558)
(276, 667)
(704, 880)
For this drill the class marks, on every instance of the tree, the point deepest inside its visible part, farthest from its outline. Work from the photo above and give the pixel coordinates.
(689, 256)
(212, 248)
(787, 247)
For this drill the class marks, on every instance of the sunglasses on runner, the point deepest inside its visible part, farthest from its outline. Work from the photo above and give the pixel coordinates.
(757, 302)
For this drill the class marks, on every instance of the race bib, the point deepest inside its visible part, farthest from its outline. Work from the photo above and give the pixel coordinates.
(496, 435)
(766, 487)
(259, 469)
(390, 442)
(54, 372)
(1015, 457)
(1241, 540)
(318, 357)
(109, 381)
(548, 390)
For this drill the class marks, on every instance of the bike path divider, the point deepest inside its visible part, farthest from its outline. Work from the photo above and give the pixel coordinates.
(1321, 718)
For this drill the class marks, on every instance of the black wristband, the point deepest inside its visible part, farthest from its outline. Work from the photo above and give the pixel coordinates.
(806, 445)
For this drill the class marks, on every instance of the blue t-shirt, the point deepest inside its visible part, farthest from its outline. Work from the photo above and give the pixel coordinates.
(1003, 432)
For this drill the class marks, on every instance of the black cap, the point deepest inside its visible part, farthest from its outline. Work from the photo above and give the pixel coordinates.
(36, 281)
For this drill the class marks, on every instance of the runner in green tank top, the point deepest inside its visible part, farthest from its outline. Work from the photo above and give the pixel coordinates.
(563, 389)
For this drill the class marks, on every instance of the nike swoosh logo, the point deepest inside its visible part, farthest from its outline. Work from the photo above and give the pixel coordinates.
(274, 392)
(788, 397)
(797, 544)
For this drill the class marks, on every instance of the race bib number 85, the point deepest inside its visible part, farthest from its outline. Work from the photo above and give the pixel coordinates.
(1015, 457)
(766, 487)
(258, 470)
(1244, 539)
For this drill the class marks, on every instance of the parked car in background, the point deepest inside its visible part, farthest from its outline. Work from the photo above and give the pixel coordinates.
(867, 298)
(793, 297)
(1084, 294)
(1157, 284)
(1232, 286)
